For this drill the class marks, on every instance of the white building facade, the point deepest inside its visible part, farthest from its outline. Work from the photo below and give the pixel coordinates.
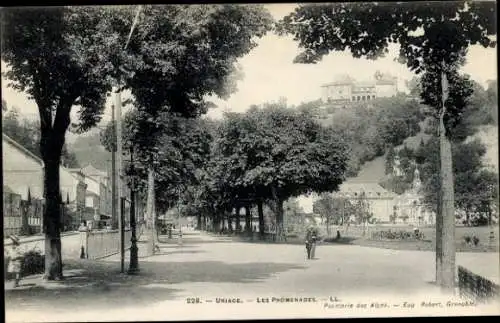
(380, 201)
(344, 89)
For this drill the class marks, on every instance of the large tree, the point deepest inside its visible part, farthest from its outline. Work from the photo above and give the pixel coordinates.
(433, 39)
(281, 153)
(61, 58)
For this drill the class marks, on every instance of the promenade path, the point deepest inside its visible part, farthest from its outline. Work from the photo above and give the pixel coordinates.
(211, 269)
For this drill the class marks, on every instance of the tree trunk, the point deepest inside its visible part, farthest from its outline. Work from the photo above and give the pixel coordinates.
(198, 224)
(238, 222)
(328, 226)
(229, 222)
(248, 220)
(51, 144)
(261, 220)
(150, 216)
(280, 230)
(51, 218)
(447, 216)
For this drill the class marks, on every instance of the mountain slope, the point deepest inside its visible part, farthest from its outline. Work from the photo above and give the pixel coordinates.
(88, 150)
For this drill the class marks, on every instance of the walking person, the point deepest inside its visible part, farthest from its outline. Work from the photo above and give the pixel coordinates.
(15, 258)
(311, 239)
(308, 243)
(314, 239)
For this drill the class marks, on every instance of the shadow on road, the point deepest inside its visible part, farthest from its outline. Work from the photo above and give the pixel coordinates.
(98, 284)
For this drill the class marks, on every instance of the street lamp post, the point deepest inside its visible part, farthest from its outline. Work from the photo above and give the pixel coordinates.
(134, 262)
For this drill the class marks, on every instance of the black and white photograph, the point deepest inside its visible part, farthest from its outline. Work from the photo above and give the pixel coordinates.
(224, 161)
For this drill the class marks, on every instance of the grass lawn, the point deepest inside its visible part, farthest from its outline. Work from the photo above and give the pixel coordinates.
(354, 236)
(428, 243)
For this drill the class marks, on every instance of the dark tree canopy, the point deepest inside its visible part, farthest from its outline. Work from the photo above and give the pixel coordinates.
(282, 152)
(366, 29)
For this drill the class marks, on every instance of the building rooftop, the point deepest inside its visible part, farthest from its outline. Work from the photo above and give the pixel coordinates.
(90, 170)
(341, 80)
(371, 190)
(378, 79)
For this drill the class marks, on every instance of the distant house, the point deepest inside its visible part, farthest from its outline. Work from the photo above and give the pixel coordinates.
(344, 89)
(23, 174)
(98, 194)
(380, 200)
(22, 170)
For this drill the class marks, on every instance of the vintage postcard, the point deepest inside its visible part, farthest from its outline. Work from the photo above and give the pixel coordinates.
(250, 161)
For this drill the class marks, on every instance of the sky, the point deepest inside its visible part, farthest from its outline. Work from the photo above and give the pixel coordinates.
(269, 73)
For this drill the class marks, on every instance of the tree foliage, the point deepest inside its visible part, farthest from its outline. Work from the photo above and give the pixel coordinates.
(369, 131)
(182, 150)
(192, 53)
(277, 153)
(474, 184)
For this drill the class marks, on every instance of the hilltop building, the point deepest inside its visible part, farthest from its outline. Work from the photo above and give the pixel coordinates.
(345, 90)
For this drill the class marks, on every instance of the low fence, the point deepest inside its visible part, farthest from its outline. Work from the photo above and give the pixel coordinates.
(99, 244)
(475, 287)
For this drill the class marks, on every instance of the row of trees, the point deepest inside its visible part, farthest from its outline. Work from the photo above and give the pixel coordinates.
(338, 210)
(65, 57)
(262, 157)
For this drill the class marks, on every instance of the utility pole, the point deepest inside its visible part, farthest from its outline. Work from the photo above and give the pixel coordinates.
(118, 160)
(118, 176)
(114, 220)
